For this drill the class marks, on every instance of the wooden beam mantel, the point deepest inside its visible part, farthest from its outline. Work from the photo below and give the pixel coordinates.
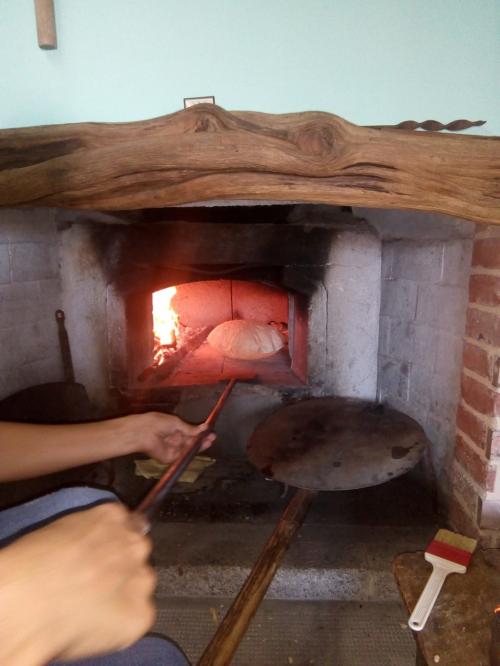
(205, 153)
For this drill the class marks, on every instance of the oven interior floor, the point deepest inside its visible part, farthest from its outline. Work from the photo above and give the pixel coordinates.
(300, 633)
(205, 365)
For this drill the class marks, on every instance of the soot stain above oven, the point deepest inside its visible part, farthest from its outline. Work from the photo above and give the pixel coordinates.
(149, 242)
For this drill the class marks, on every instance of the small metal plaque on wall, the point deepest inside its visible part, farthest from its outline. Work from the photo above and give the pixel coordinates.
(192, 101)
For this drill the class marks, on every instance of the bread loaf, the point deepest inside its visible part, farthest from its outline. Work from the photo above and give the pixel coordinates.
(245, 340)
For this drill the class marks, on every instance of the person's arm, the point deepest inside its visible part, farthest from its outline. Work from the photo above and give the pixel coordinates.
(79, 587)
(27, 451)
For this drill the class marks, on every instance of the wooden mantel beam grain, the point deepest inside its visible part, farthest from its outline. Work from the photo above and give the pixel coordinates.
(204, 153)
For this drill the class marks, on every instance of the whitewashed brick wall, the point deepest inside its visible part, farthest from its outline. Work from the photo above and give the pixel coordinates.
(30, 293)
(425, 272)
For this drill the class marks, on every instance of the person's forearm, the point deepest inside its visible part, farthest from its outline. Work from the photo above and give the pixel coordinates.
(28, 450)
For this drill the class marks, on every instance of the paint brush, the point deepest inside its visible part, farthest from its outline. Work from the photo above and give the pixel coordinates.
(448, 553)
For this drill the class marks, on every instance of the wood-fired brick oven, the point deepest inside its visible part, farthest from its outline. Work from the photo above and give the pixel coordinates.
(197, 308)
(312, 280)
(420, 283)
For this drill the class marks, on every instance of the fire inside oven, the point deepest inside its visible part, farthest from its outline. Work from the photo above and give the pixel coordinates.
(205, 332)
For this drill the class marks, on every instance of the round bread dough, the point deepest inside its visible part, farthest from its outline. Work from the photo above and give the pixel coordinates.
(245, 340)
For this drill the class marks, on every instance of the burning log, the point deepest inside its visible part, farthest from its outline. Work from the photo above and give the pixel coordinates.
(167, 362)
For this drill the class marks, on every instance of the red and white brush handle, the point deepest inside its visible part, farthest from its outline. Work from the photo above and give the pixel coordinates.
(428, 598)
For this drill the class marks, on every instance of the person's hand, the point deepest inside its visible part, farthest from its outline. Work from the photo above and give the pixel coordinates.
(164, 437)
(79, 587)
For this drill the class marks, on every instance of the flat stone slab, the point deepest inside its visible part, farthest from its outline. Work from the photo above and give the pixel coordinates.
(297, 632)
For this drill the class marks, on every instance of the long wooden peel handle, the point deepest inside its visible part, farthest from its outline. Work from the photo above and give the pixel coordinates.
(225, 642)
(172, 474)
(212, 417)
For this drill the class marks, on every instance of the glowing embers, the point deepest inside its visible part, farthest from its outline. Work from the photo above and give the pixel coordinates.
(173, 338)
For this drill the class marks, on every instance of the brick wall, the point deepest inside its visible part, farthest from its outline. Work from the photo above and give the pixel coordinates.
(475, 505)
(29, 295)
(424, 300)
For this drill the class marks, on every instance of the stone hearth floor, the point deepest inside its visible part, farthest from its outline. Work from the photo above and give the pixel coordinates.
(333, 600)
(301, 633)
(208, 535)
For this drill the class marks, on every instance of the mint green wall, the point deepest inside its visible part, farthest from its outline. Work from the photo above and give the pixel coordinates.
(371, 61)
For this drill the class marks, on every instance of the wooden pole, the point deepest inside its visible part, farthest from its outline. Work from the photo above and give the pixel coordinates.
(46, 24)
(233, 627)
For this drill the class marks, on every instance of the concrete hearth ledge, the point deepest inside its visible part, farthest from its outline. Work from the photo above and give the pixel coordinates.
(342, 563)
(290, 583)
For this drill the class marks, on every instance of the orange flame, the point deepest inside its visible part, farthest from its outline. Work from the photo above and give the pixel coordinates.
(165, 319)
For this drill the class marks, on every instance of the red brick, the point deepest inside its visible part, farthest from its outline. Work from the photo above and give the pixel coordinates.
(476, 466)
(482, 363)
(461, 521)
(476, 359)
(484, 289)
(486, 253)
(480, 397)
(473, 427)
(483, 326)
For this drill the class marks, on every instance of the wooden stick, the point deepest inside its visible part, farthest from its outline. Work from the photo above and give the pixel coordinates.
(225, 642)
(46, 24)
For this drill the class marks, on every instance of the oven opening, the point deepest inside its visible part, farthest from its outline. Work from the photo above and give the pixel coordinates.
(208, 331)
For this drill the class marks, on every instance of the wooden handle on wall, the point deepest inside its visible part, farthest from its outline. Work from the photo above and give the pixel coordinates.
(46, 24)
